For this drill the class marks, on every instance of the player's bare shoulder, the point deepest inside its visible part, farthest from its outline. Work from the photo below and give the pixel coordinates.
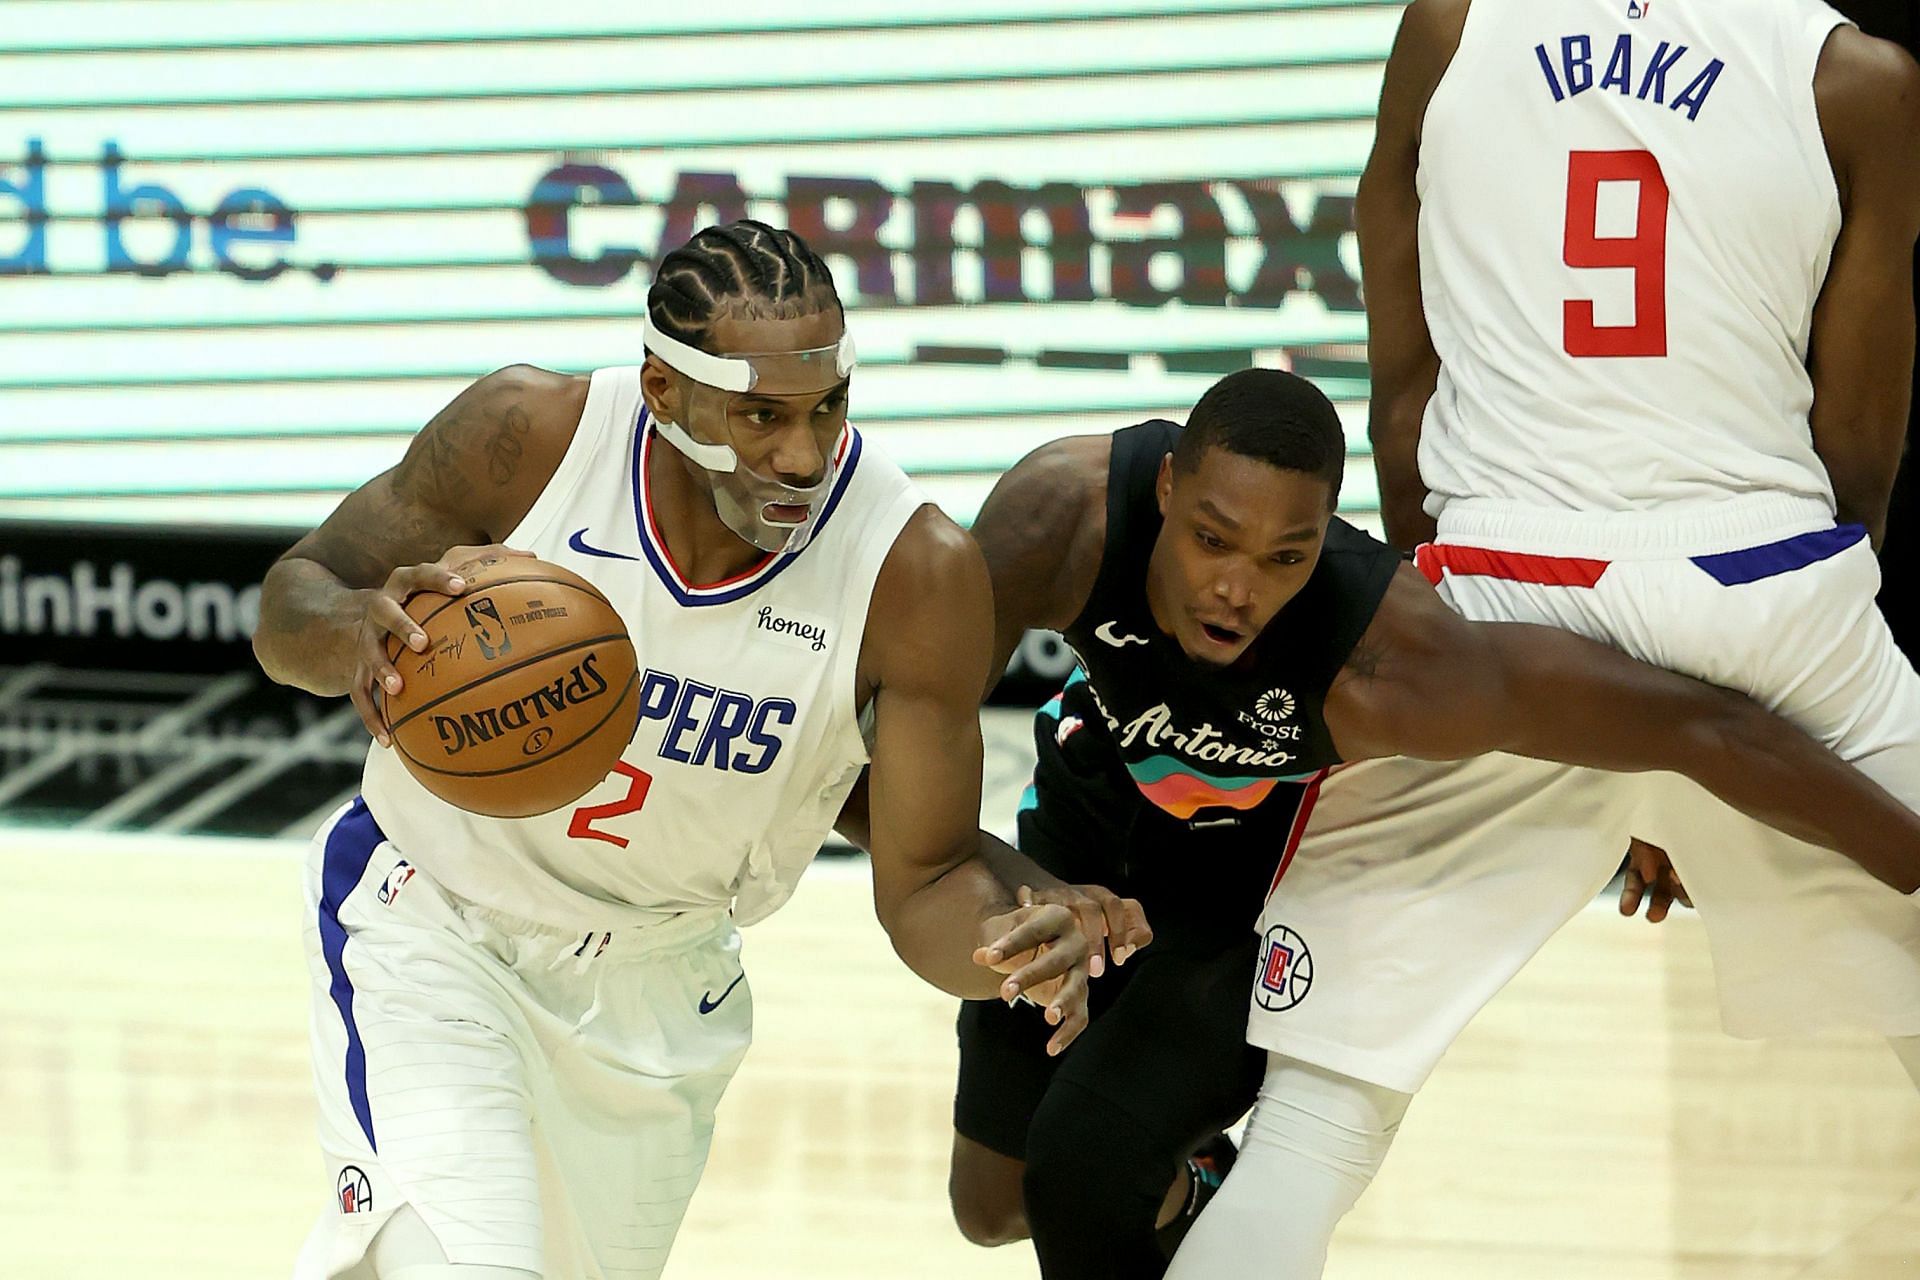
(491, 451)
(1044, 527)
(930, 617)
(468, 477)
(1867, 92)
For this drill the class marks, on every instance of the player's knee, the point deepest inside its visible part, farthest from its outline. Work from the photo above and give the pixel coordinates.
(1089, 1161)
(988, 1219)
(983, 1187)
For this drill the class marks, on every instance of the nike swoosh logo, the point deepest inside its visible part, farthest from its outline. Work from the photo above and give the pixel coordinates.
(579, 543)
(1106, 632)
(708, 1004)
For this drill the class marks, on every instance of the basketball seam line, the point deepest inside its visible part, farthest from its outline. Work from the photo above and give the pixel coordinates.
(394, 726)
(632, 680)
(504, 582)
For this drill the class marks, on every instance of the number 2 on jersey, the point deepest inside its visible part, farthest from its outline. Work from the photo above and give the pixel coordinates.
(638, 783)
(1644, 252)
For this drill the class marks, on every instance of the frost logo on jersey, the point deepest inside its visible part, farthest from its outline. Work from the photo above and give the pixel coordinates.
(583, 683)
(1269, 709)
(355, 1190)
(484, 618)
(1274, 704)
(396, 881)
(1286, 970)
(703, 724)
(808, 633)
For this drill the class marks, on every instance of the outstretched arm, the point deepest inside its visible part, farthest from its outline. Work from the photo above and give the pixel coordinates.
(1425, 682)
(951, 918)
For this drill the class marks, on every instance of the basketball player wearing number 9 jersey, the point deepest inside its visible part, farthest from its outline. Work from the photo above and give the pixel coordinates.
(1638, 277)
(521, 1027)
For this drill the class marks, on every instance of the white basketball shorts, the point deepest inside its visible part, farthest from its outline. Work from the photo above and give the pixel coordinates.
(1415, 890)
(543, 1100)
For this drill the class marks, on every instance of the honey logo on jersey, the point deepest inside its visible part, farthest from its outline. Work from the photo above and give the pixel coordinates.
(488, 630)
(796, 631)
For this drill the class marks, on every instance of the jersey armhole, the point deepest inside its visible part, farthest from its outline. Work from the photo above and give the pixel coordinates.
(1820, 29)
(1467, 28)
(1119, 513)
(607, 392)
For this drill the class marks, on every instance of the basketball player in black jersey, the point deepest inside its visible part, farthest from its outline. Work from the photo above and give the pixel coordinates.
(1237, 640)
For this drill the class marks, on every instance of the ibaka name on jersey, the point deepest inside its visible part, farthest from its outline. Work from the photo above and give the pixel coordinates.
(707, 725)
(1632, 70)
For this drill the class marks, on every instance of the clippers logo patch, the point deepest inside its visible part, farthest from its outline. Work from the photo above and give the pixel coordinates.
(396, 881)
(354, 1190)
(1286, 970)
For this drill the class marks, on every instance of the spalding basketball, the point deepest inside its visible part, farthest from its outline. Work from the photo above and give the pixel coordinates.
(525, 696)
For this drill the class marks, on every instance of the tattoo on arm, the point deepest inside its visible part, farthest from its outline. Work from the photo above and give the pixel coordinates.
(430, 471)
(507, 447)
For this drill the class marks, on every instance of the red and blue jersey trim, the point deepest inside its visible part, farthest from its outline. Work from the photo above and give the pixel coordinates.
(1728, 568)
(1437, 559)
(727, 590)
(349, 849)
(1737, 568)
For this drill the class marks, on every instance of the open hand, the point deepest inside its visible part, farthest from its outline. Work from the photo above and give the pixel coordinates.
(1104, 916)
(386, 615)
(1043, 950)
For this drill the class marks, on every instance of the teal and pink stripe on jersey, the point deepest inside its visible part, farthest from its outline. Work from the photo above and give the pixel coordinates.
(1728, 568)
(1176, 786)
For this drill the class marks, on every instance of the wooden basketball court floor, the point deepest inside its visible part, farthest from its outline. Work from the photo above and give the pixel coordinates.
(155, 1114)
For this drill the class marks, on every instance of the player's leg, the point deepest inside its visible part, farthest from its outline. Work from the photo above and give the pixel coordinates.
(1801, 938)
(983, 1188)
(406, 1249)
(1314, 1144)
(1005, 1072)
(1157, 1074)
(640, 1040)
(419, 1065)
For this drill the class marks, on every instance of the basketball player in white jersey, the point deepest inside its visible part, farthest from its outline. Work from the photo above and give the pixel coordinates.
(521, 1027)
(1638, 279)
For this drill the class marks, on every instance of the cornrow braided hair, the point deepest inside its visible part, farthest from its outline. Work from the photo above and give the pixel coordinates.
(746, 267)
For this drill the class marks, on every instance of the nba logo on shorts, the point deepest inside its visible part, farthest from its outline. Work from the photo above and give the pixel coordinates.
(1286, 970)
(396, 880)
(356, 1193)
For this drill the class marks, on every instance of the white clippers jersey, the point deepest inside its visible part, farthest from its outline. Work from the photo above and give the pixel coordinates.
(1627, 212)
(748, 740)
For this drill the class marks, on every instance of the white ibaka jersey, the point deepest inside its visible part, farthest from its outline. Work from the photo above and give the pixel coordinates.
(1626, 215)
(748, 740)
